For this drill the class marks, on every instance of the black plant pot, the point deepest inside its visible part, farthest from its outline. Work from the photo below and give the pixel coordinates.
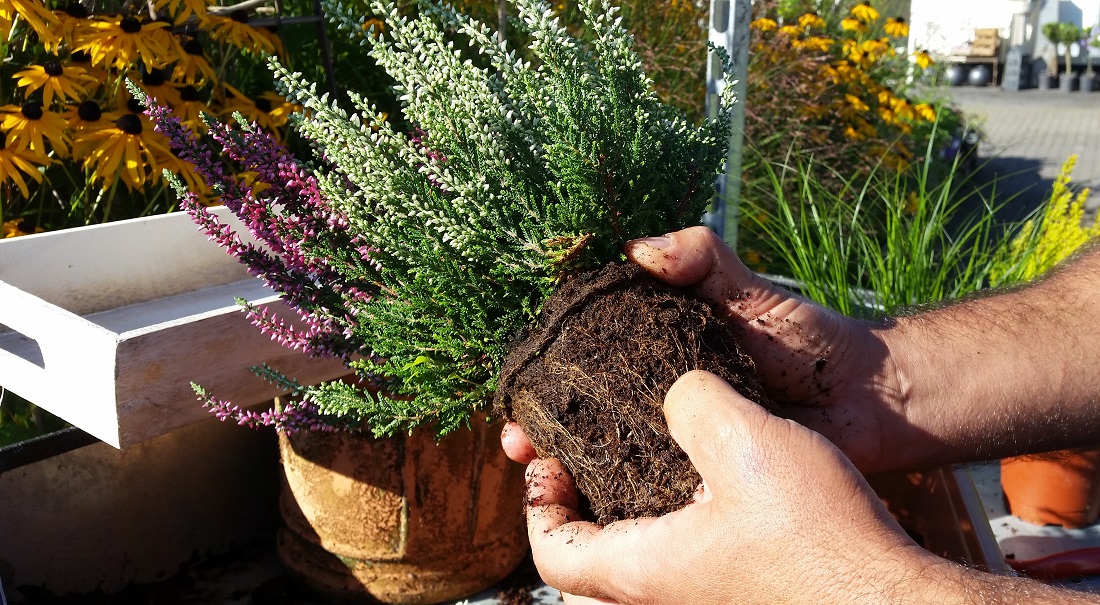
(1067, 82)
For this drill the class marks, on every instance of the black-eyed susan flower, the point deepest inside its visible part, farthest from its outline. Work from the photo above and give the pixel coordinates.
(270, 111)
(29, 123)
(235, 30)
(811, 21)
(182, 10)
(925, 112)
(83, 60)
(121, 151)
(896, 27)
(864, 12)
(83, 120)
(121, 42)
(792, 31)
(190, 108)
(854, 25)
(74, 20)
(44, 23)
(17, 227)
(193, 66)
(65, 82)
(185, 171)
(922, 59)
(856, 103)
(18, 161)
(228, 100)
(764, 24)
(814, 43)
(155, 84)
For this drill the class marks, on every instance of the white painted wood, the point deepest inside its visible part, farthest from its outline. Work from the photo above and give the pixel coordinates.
(108, 325)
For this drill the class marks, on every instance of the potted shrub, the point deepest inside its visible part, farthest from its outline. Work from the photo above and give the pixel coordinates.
(1064, 34)
(1088, 79)
(438, 253)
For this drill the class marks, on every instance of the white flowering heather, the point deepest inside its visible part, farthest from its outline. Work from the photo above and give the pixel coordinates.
(511, 171)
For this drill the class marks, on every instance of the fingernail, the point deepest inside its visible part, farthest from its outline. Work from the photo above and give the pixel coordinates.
(659, 243)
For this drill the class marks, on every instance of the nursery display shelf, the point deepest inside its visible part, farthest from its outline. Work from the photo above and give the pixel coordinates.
(1024, 541)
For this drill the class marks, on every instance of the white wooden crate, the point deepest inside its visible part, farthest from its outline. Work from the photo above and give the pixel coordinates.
(106, 326)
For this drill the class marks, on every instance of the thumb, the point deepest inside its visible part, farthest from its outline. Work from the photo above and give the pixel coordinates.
(723, 433)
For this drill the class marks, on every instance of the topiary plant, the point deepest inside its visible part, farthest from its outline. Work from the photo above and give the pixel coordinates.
(424, 251)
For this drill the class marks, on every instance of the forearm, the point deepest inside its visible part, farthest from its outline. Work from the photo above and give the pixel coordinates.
(945, 583)
(1015, 372)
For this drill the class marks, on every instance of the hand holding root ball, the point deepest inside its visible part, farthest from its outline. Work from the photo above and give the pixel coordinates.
(783, 515)
(775, 492)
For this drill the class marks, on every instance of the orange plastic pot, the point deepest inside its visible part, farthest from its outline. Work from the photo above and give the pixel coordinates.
(401, 520)
(1060, 488)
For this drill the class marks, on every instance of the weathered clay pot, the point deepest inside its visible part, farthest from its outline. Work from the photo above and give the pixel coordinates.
(1062, 488)
(401, 520)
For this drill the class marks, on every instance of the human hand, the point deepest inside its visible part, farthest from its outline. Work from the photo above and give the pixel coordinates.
(830, 373)
(782, 516)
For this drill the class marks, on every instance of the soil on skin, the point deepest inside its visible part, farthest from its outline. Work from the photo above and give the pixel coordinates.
(588, 386)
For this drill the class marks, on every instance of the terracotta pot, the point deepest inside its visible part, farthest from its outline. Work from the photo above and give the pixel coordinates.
(401, 520)
(1061, 488)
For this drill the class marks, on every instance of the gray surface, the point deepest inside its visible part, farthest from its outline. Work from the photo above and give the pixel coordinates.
(1029, 134)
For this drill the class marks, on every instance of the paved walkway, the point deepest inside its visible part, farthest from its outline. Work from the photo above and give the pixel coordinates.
(1030, 133)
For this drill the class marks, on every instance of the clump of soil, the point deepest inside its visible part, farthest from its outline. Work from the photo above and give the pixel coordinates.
(588, 386)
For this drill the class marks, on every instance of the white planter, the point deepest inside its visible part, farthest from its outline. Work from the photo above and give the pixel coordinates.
(106, 326)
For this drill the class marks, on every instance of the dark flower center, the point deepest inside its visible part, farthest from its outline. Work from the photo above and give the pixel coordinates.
(77, 10)
(240, 16)
(263, 105)
(52, 68)
(153, 77)
(89, 111)
(80, 57)
(3, 139)
(130, 25)
(189, 93)
(193, 47)
(129, 123)
(135, 106)
(32, 111)
(899, 19)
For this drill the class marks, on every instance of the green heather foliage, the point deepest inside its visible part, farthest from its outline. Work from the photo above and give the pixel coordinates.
(507, 172)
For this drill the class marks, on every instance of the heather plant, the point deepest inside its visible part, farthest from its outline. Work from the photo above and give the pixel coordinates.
(417, 248)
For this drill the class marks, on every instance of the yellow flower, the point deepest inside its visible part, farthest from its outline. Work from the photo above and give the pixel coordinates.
(856, 102)
(270, 111)
(34, 127)
(38, 17)
(764, 24)
(792, 31)
(228, 100)
(817, 43)
(122, 151)
(83, 60)
(85, 119)
(923, 59)
(853, 24)
(16, 227)
(16, 161)
(156, 85)
(376, 25)
(811, 20)
(74, 21)
(184, 9)
(186, 172)
(896, 27)
(235, 30)
(850, 133)
(864, 12)
(912, 203)
(190, 109)
(64, 82)
(120, 42)
(902, 108)
(193, 67)
(925, 112)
